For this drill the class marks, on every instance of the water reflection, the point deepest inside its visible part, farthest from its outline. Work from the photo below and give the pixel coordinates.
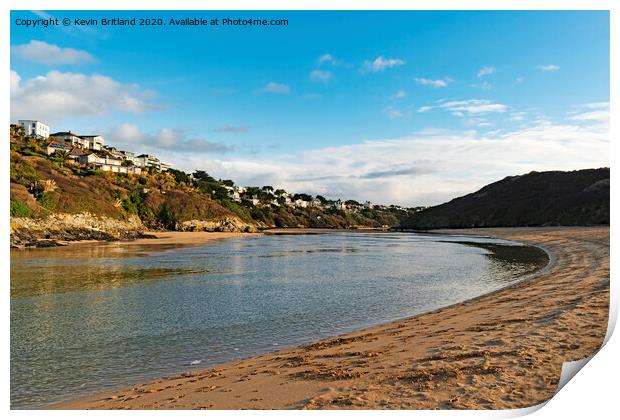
(93, 317)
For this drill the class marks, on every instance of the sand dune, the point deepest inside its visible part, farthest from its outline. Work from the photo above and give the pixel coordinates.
(502, 350)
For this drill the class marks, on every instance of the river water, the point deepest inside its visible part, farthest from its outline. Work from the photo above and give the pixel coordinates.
(88, 318)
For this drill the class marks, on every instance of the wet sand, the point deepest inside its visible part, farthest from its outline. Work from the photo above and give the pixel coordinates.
(502, 350)
(167, 238)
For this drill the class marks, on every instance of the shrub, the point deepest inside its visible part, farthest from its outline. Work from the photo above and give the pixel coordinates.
(47, 201)
(167, 218)
(19, 209)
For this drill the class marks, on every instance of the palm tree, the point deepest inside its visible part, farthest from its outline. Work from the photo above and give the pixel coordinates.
(62, 156)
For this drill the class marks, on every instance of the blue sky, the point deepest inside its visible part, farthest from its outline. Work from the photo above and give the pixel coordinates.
(400, 107)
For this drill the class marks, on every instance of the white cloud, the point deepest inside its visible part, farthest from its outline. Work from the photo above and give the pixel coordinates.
(50, 54)
(381, 63)
(594, 112)
(320, 76)
(437, 83)
(399, 95)
(517, 116)
(467, 107)
(595, 105)
(278, 88)
(519, 80)
(59, 96)
(484, 85)
(326, 58)
(473, 106)
(485, 71)
(392, 113)
(548, 67)
(129, 137)
(426, 168)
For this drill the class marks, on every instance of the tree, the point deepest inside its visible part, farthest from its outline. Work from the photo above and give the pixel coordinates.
(302, 196)
(203, 176)
(61, 156)
(322, 199)
(227, 182)
(179, 176)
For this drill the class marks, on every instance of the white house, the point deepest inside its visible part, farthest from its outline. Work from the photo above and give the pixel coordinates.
(34, 128)
(301, 203)
(95, 141)
(69, 137)
(340, 205)
(53, 147)
(368, 205)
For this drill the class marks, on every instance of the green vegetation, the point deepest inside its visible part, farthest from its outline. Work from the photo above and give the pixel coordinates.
(19, 209)
(41, 184)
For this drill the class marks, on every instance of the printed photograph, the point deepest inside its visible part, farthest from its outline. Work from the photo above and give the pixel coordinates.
(293, 210)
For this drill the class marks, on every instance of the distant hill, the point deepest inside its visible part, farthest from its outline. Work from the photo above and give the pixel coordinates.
(535, 199)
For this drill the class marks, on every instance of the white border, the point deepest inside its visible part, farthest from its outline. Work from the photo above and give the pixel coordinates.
(592, 394)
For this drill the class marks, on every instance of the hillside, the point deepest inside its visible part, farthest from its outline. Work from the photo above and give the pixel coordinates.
(55, 198)
(535, 199)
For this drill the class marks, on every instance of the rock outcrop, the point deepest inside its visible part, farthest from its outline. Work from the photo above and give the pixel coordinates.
(58, 227)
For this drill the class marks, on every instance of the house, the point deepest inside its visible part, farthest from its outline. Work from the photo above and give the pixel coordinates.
(75, 154)
(340, 205)
(233, 192)
(34, 128)
(301, 203)
(71, 138)
(113, 152)
(91, 159)
(130, 156)
(368, 205)
(316, 203)
(255, 201)
(285, 200)
(95, 141)
(53, 147)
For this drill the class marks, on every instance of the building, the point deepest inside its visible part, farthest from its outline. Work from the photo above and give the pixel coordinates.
(95, 141)
(301, 203)
(340, 205)
(34, 128)
(285, 200)
(368, 205)
(72, 138)
(53, 147)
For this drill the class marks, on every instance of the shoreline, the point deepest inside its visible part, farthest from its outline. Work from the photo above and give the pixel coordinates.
(368, 371)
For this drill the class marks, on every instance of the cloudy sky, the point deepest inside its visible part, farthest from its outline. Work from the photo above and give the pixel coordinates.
(411, 108)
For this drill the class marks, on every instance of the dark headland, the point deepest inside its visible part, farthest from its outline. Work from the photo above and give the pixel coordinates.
(553, 198)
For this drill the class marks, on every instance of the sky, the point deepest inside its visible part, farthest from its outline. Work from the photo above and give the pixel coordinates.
(409, 108)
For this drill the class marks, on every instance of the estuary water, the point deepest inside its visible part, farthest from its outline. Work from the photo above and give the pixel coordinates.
(88, 318)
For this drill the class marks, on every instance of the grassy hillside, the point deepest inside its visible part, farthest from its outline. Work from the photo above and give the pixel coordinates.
(535, 199)
(43, 185)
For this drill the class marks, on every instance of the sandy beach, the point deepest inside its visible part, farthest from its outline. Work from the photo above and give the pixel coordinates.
(498, 351)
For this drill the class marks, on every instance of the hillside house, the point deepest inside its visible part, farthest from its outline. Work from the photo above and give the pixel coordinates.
(34, 128)
(95, 141)
(53, 147)
(71, 138)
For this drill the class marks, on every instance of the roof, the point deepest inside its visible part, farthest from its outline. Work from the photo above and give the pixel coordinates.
(57, 145)
(63, 133)
(78, 152)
